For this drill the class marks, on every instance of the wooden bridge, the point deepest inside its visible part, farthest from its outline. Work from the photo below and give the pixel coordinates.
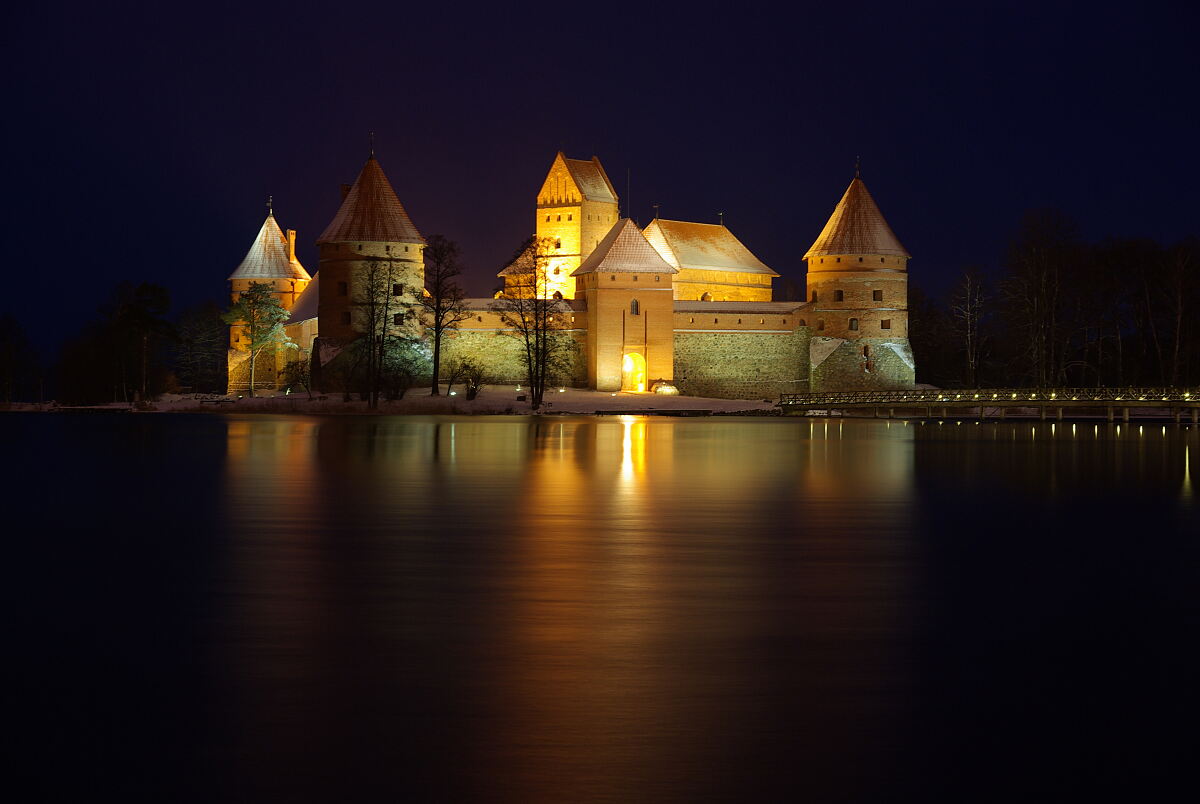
(997, 402)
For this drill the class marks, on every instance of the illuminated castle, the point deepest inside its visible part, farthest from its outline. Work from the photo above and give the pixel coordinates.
(677, 303)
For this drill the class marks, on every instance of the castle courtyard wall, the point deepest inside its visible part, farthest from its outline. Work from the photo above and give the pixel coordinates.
(741, 365)
(841, 365)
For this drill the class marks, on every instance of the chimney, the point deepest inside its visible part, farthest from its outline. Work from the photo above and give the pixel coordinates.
(345, 191)
(291, 245)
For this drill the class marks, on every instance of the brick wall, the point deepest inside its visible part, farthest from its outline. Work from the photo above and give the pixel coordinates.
(887, 364)
(741, 365)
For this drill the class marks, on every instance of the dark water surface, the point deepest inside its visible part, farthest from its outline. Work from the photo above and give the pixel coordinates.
(600, 609)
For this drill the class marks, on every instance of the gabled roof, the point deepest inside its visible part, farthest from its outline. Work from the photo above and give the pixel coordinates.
(371, 212)
(268, 256)
(306, 305)
(857, 227)
(703, 246)
(624, 250)
(587, 175)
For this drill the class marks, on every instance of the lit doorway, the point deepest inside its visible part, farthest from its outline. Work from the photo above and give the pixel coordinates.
(633, 373)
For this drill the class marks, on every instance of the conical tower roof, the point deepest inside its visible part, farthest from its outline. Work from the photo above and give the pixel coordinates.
(371, 212)
(624, 250)
(268, 256)
(857, 227)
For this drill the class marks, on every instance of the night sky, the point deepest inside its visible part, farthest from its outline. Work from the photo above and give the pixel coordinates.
(141, 142)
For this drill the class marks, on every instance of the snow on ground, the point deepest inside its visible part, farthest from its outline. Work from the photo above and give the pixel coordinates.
(491, 400)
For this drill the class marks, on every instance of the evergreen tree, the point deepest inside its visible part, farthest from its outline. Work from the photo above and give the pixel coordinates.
(262, 317)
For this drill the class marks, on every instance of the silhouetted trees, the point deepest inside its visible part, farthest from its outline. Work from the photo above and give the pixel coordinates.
(20, 373)
(201, 349)
(1064, 312)
(444, 306)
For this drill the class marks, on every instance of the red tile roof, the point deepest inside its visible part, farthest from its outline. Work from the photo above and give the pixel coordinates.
(624, 250)
(857, 227)
(371, 212)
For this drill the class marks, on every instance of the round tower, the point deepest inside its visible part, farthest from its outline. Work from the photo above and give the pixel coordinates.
(858, 292)
(371, 232)
(271, 260)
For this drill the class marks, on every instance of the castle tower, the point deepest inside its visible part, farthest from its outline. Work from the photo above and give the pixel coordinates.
(370, 227)
(576, 208)
(272, 260)
(630, 312)
(858, 289)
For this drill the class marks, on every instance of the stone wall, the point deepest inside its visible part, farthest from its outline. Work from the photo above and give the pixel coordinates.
(741, 365)
(502, 356)
(841, 365)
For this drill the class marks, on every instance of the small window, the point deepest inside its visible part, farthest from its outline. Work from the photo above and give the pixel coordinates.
(839, 295)
(866, 350)
(559, 218)
(613, 277)
(557, 270)
(397, 289)
(406, 249)
(739, 320)
(360, 246)
(572, 319)
(558, 242)
(343, 289)
(885, 323)
(692, 320)
(657, 277)
(760, 321)
(820, 325)
(876, 295)
(568, 217)
(345, 318)
(854, 325)
(388, 249)
(397, 319)
(839, 259)
(547, 219)
(785, 320)
(635, 308)
(881, 259)
(635, 277)
(802, 323)
(814, 298)
(479, 318)
(860, 259)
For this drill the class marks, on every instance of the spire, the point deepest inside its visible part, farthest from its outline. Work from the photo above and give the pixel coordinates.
(371, 136)
(858, 167)
(268, 256)
(857, 227)
(371, 212)
(270, 206)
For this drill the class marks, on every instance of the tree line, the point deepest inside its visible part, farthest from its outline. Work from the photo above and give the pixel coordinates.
(1065, 312)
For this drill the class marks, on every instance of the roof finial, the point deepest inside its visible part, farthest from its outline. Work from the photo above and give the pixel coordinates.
(270, 205)
(858, 167)
(656, 206)
(371, 136)
(721, 218)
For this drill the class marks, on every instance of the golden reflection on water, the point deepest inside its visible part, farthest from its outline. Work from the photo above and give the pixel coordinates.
(610, 598)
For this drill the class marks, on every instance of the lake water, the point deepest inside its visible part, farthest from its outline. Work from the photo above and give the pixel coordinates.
(566, 609)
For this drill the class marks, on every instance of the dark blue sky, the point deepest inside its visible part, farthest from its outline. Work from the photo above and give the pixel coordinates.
(141, 141)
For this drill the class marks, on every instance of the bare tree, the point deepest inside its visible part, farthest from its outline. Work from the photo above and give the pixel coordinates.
(443, 307)
(382, 303)
(534, 318)
(968, 306)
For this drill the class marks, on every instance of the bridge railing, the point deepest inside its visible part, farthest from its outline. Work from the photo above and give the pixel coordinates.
(990, 396)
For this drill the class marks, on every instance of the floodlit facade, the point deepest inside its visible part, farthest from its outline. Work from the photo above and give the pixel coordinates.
(678, 305)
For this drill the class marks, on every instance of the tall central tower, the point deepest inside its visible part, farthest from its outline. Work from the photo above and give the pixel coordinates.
(576, 208)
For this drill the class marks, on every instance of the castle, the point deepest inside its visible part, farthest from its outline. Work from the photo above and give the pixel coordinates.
(675, 304)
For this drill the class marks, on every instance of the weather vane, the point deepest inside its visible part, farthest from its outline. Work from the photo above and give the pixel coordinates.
(270, 205)
(721, 217)
(371, 136)
(655, 210)
(858, 167)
